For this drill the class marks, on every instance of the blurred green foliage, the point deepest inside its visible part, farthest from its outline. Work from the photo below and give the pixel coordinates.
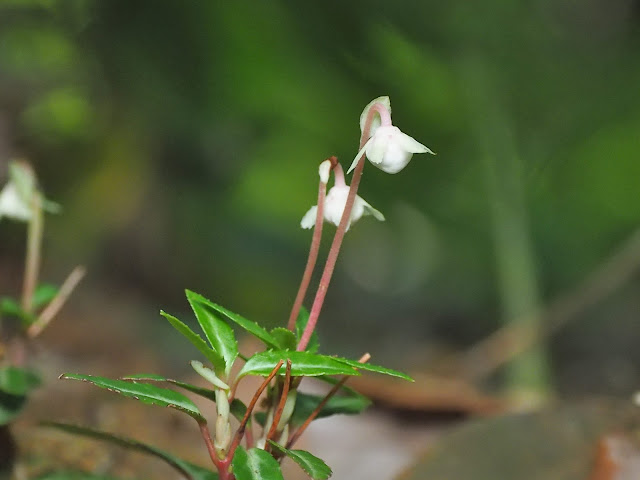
(183, 139)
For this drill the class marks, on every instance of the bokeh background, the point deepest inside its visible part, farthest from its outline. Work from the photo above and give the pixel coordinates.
(183, 138)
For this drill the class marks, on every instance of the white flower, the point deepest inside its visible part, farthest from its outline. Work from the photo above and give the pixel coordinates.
(18, 195)
(13, 205)
(390, 150)
(334, 204)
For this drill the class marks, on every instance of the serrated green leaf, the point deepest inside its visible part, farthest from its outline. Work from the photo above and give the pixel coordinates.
(252, 327)
(149, 377)
(18, 381)
(213, 356)
(189, 470)
(143, 392)
(286, 338)
(255, 464)
(302, 364)
(337, 405)
(217, 331)
(375, 368)
(43, 295)
(312, 465)
(301, 323)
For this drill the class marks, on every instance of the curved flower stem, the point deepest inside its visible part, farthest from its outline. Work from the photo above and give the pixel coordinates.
(294, 438)
(342, 228)
(313, 257)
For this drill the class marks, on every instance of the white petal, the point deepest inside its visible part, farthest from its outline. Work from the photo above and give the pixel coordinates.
(412, 145)
(309, 219)
(359, 155)
(12, 204)
(369, 210)
(376, 119)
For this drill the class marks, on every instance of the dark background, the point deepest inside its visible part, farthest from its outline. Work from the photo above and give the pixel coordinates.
(183, 138)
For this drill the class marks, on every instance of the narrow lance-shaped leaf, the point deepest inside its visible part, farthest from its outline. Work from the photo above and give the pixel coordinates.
(150, 377)
(255, 464)
(189, 470)
(217, 331)
(252, 327)
(302, 364)
(312, 465)
(374, 368)
(213, 356)
(143, 392)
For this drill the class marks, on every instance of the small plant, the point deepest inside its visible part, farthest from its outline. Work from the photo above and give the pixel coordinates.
(290, 354)
(23, 319)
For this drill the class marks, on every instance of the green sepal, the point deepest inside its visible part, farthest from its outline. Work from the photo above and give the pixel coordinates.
(302, 364)
(255, 464)
(312, 465)
(150, 377)
(301, 323)
(286, 338)
(217, 331)
(337, 405)
(374, 368)
(143, 392)
(252, 327)
(189, 470)
(212, 355)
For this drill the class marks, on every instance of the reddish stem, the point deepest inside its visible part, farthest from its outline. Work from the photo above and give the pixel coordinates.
(283, 400)
(294, 438)
(311, 261)
(339, 236)
(243, 424)
(206, 435)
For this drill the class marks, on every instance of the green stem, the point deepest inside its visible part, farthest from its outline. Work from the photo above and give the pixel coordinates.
(32, 259)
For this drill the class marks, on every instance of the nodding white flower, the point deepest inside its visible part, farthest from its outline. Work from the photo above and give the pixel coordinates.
(17, 196)
(388, 148)
(335, 202)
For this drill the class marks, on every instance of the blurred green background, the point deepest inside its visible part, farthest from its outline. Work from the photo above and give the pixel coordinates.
(183, 139)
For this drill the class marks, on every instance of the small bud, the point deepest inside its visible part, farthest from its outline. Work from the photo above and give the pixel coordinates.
(208, 374)
(324, 170)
